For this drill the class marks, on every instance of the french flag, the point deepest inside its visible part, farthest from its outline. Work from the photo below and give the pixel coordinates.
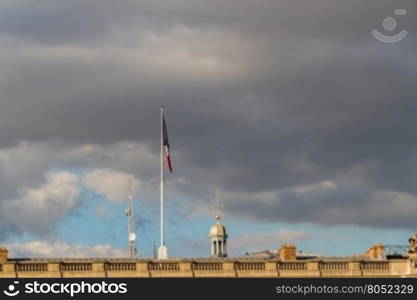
(166, 144)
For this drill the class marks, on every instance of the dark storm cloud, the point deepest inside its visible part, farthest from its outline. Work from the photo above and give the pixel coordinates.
(261, 96)
(329, 203)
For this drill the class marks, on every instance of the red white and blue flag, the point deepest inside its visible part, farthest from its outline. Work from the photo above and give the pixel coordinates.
(166, 144)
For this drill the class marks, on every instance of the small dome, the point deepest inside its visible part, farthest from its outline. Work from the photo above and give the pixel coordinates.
(217, 230)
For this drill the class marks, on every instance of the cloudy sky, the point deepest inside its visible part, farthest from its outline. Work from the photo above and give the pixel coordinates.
(305, 121)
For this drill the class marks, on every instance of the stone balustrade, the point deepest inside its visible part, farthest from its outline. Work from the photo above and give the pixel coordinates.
(208, 268)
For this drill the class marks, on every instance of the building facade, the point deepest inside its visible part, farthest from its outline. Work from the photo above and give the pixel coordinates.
(112, 268)
(285, 264)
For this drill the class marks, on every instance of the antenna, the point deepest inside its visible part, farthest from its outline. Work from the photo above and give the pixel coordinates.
(218, 206)
(130, 227)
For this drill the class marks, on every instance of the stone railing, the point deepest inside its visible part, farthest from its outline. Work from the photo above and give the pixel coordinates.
(207, 268)
(250, 266)
(32, 267)
(76, 267)
(333, 265)
(375, 266)
(120, 266)
(294, 266)
(164, 266)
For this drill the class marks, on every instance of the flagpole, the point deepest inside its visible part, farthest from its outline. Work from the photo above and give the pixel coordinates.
(162, 251)
(162, 178)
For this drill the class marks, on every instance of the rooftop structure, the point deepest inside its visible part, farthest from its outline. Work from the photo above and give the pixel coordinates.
(285, 262)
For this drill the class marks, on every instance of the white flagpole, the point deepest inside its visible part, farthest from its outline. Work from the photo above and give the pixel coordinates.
(162, 178)
(163, 251)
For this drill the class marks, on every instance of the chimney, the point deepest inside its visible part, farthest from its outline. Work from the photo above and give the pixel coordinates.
(376, 252)
(3, 254)
(287, 252)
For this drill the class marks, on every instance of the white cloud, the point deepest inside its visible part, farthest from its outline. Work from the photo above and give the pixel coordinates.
(113, 184)
(38, 202)
(45, 249)
(323, 185)
(36, 209)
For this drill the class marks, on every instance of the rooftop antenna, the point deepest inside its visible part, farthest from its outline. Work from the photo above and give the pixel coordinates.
(218, 206)
(130, 226)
